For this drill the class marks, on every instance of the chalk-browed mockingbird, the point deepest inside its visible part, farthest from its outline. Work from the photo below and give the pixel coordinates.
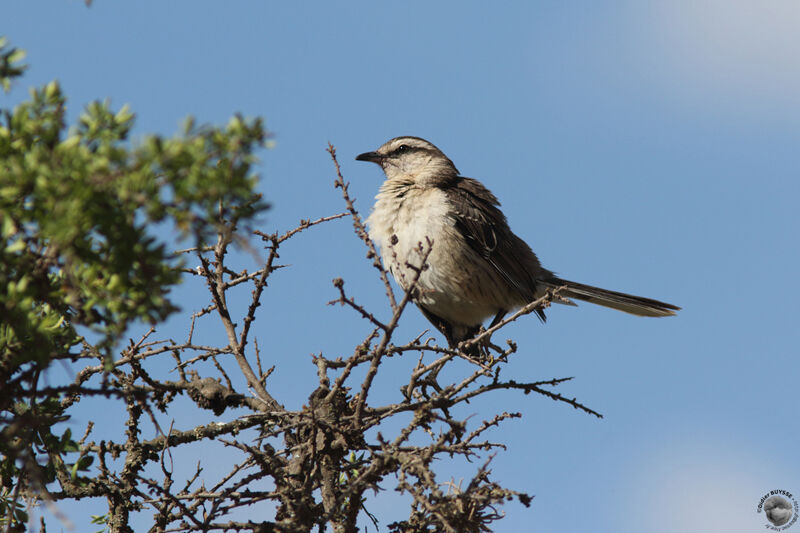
(476, 268)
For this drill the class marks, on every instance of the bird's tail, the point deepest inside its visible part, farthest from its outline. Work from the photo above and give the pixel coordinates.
(635, 305)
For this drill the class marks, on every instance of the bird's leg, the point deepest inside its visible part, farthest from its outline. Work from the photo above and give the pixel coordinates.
(498, 318)
(485, 345)
(440, 324)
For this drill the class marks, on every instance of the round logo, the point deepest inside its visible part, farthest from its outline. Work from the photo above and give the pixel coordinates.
(780, 508)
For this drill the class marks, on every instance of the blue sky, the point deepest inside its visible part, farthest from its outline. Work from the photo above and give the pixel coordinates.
(649, 147)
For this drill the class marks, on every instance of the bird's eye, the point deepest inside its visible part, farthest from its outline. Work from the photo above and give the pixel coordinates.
(402, 148)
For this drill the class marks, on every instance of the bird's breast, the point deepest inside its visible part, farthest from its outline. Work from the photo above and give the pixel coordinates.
(406, 222)
(409, 223)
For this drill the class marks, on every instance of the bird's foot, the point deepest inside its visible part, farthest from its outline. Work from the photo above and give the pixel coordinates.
(482, 351)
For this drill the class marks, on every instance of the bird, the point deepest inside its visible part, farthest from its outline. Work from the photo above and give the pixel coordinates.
(444, 236)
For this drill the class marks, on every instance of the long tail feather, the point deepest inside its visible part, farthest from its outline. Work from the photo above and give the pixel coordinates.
(635, 305)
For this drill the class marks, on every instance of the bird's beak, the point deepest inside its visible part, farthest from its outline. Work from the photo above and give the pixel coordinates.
(373, 157)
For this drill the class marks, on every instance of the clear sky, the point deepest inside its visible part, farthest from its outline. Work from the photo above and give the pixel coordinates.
(649, 147)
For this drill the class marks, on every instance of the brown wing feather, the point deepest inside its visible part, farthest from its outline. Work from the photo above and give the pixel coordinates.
(484, 227)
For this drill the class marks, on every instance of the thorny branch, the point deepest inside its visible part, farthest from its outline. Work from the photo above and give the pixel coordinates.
(295, 469)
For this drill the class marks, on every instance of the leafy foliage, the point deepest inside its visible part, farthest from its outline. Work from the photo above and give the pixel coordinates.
(78, 258)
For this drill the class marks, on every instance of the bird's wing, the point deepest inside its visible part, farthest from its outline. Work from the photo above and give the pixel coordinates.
(484, 228)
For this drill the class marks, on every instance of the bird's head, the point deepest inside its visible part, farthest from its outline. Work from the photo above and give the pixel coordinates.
(412, 158)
